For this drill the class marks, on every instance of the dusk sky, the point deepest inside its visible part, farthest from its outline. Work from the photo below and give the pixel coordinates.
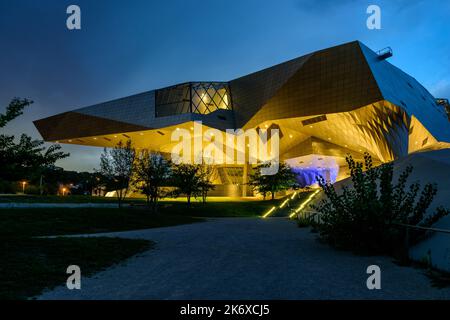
(127, 47)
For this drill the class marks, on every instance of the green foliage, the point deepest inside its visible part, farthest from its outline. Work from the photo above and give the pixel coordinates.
(303, 222)
(187, 180)
(206, 172)
(32, 190)
(27, 158)
(7, 187)
(192, 180)
(13, 110)
(30, 265)
(80, 183)
(151, 173)
(34, 222)
(367, 216)
(116, 168)
(282, 180)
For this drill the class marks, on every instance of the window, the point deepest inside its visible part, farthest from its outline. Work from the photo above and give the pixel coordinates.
(314, 120)
(209, 97)
(195, 97)
(173, 100)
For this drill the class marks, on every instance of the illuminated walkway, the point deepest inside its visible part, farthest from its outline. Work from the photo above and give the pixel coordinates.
(246, 259)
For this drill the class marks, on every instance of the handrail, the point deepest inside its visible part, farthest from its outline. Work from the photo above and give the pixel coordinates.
(312, 214)
(423, 228)
(385, 53)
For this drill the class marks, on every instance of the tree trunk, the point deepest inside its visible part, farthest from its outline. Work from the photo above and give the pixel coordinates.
(155, 205)
(41, 189)
(273, 195)
(189, 200)
(204, 195)
(119, 198)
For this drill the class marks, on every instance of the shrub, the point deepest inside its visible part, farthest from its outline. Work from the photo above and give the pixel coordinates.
(303, 222)
(283, 179)
(7, 187)
(367, 216)
(32, 190)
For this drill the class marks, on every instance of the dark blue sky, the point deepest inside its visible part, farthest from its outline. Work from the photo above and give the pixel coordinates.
(126, 47)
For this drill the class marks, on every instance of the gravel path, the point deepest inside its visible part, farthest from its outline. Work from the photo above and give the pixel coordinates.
(246, 259)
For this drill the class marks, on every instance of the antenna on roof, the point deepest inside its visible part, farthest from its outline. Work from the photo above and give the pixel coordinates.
(385, 53)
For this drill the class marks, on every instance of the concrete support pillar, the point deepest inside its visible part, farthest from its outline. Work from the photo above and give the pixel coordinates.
(245, 179)
(328, 175)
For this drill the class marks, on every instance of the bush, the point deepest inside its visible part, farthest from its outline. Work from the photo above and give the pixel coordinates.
(32, 190)
(7, 187)
(367, 216)
(303, 222)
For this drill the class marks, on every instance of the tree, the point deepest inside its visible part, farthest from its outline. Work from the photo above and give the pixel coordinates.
(116, 166)
(27, 158)
(151, 173)
(187, 180)
(13, 110)
(80, 183)
(259, 183)
(206, 173)
(282, 180)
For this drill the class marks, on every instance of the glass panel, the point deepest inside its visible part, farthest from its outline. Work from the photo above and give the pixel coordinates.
(173, 100)
(204, 97)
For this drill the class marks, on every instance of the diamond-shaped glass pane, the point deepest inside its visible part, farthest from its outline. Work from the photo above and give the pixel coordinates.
(198, 97)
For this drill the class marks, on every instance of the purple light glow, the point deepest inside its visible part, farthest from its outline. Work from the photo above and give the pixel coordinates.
(307, 176)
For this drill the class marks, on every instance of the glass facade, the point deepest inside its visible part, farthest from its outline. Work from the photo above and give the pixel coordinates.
(193, 97)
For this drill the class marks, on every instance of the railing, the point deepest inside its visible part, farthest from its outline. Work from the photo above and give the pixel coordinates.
(442, 101)
(445, 104)
(312, 216)
(385, 53)
(424, 228)
(410, 226)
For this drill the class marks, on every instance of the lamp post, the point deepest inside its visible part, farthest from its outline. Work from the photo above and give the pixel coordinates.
(64, 191)
(24, 183)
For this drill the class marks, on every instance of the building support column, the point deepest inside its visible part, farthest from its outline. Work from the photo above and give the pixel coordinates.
(245, 179)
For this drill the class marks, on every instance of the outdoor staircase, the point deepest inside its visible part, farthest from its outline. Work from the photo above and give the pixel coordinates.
(223, 176)
(287, 208)
(290, 205)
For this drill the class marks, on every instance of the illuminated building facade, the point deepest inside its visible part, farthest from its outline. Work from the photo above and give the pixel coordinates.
(342, 100)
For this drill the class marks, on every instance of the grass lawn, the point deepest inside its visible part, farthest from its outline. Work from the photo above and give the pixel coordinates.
(230, 209)
(20, 198)
(29, 222)
(28, 266)
(57, 221)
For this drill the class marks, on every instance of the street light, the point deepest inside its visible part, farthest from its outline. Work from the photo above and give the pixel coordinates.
(24, 183)
(64, 191)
